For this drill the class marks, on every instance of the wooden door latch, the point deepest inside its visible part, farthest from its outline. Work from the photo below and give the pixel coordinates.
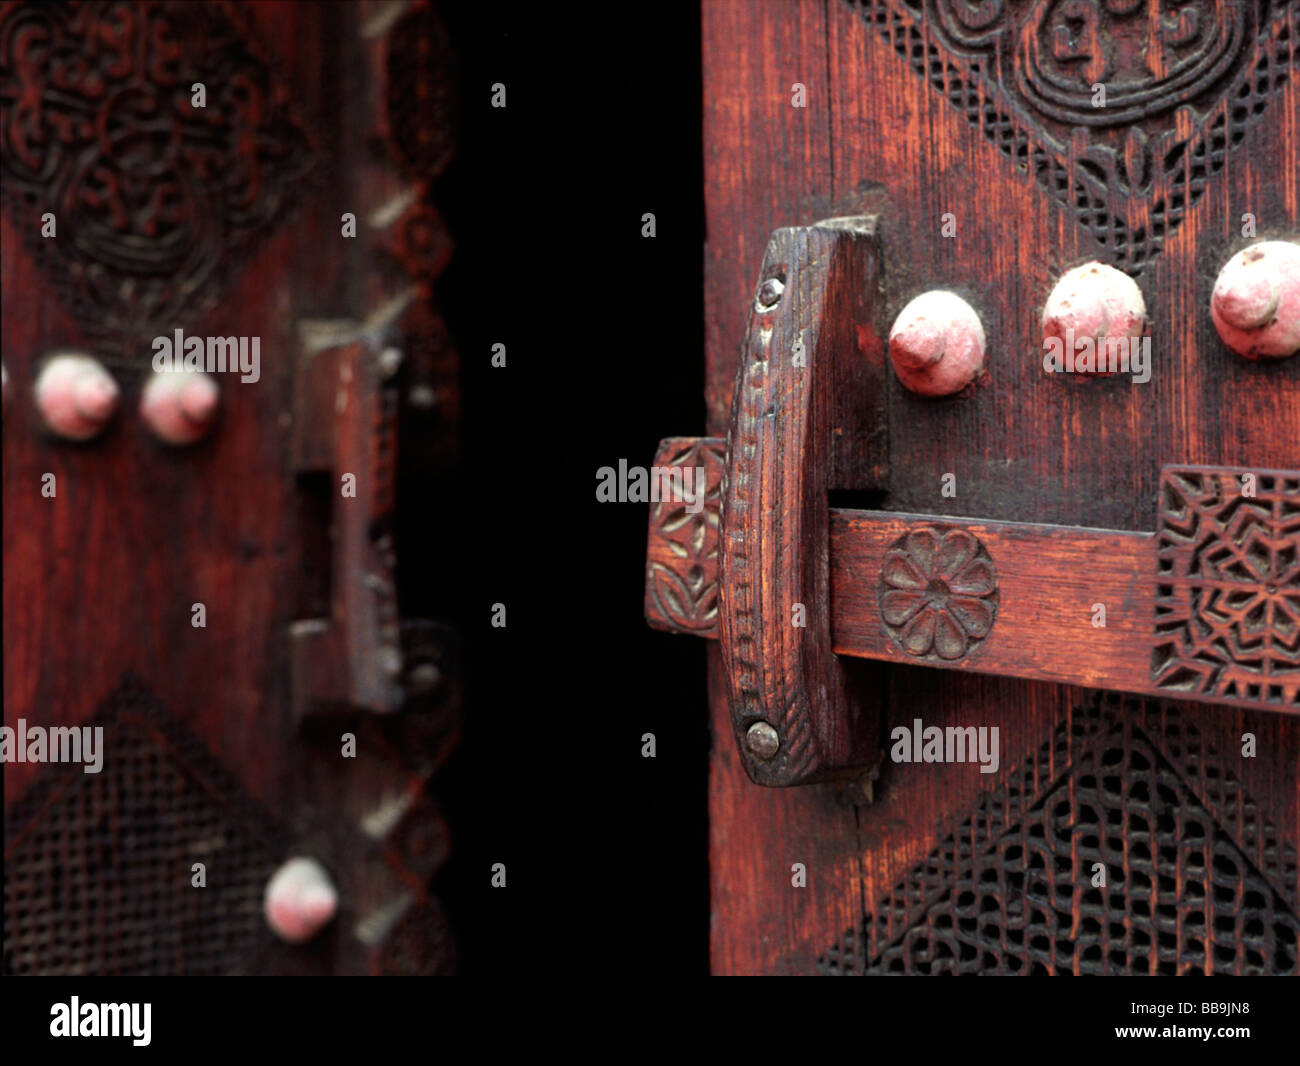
(1206, 607)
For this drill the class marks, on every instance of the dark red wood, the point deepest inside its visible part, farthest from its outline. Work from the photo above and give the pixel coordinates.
(226, 220)
(793, 708)
(1206, 607)
(345, 428)
(910, 117)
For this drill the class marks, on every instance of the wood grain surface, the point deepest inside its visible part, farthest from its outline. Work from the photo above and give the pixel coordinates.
(229, 221)
(787, 687)
(897, 124)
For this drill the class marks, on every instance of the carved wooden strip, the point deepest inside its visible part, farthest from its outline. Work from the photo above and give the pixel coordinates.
(813, 297)
(1008, 598)
(1207, 608)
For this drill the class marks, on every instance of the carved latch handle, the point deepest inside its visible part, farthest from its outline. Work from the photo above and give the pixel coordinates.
(1207, 607)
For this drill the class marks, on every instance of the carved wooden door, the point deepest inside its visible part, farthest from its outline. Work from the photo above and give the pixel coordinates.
(202, 559)
(1104, 568)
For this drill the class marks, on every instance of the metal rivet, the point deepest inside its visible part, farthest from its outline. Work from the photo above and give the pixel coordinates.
(1256, 301)
(179, 406)
(770, 292)
(937, 344)
(300, 900)
(1097, 303)
(762, 740)
(75, 396)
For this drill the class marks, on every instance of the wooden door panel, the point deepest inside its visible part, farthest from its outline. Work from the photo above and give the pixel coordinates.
(900, 123)
(222, 220)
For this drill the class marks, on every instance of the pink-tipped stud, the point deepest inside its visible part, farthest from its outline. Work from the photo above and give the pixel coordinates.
(937, 344)
(75, 396)
(179, 406)
(1097, 303)
(300, 900)
(1256, 301)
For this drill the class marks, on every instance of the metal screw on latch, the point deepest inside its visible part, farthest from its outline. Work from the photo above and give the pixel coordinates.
(770, 292)
(762, 740)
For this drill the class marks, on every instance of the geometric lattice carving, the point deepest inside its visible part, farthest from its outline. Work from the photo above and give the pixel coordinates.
(1228, 586)
(938, 593)
(1197, 881)
(97, 873)
(682, 582)
(1181, 90)
(155, 199)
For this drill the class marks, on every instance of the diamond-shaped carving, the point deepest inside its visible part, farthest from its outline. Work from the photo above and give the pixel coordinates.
(1196, 878)
(1180, 84)
(156, 200)
(98, 867)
